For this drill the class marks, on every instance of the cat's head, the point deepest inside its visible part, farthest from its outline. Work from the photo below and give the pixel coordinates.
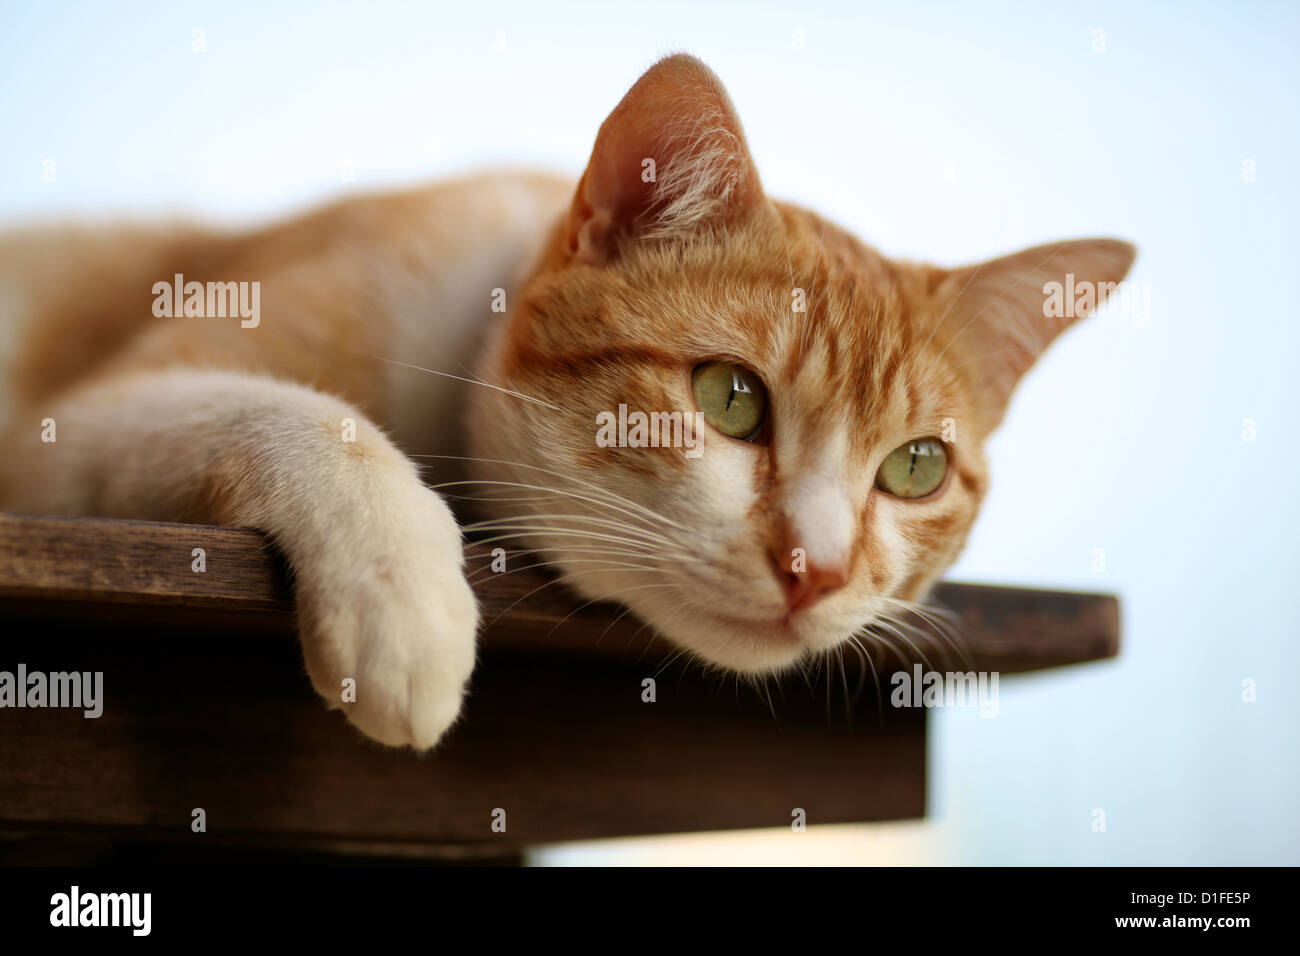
(845, 398)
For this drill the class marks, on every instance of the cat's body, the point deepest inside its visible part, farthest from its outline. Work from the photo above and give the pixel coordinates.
(762, 549)
(405, 277)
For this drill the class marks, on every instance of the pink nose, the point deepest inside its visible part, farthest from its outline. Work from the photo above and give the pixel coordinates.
(805, 588)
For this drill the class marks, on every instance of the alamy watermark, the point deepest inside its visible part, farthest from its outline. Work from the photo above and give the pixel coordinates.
(77, 689)
(650, 430)
(75, 908)
(209, 300)
(1073, 299)
(919, 688)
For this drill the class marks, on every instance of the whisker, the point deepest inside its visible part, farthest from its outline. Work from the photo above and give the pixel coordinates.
(580, 481)
(497, 523)
(943, 621)
(616, 565)
(891, 625)
(471, 381)
(641, 587)
(856, 643)
(556, 532)
(559, 491)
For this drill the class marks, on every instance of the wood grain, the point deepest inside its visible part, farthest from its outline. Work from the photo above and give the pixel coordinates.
(207, 706)
(563, 743)
(141, 571)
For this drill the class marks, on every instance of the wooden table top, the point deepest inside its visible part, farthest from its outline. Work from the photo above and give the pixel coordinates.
(207, 706)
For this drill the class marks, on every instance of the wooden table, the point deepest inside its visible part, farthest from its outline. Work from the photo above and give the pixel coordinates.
(207, 705)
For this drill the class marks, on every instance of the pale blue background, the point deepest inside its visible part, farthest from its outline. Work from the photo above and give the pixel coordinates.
(945, 131)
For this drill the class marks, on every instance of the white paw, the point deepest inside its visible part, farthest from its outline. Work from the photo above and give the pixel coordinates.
(388, 622)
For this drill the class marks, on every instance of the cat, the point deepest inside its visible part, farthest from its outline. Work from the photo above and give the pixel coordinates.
(477, 332)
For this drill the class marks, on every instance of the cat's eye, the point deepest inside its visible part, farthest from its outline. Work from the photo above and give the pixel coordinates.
(731, 397)
(914, 470)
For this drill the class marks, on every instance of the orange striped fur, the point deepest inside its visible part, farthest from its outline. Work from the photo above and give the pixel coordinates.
(613, 291)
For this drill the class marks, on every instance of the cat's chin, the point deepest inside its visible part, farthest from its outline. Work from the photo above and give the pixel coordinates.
(752, 644)
(745, 646)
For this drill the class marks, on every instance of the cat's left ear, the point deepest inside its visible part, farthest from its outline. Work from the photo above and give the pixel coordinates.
(999, 316)
(670, 158)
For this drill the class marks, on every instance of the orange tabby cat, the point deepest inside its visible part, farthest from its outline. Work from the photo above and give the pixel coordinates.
(821, 410)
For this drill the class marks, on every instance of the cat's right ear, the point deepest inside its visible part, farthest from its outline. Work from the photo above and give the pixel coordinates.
(669, 159)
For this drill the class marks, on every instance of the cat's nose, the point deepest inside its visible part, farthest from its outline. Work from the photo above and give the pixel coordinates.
(812, 548)
(804, 581)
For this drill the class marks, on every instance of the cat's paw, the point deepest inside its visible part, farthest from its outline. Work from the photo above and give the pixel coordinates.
(388, 626)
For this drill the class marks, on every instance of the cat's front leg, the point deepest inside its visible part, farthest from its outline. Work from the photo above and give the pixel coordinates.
(386, 617)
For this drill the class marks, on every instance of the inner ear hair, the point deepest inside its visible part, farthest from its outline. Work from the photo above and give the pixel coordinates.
(997, 317)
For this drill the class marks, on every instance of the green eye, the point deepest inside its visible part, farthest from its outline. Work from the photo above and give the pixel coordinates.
(730, 396)
(913, 470)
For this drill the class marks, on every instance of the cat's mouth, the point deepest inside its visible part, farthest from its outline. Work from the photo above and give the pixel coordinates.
(769, 640)
(757, 637)
(753, 645)
(782, 629)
